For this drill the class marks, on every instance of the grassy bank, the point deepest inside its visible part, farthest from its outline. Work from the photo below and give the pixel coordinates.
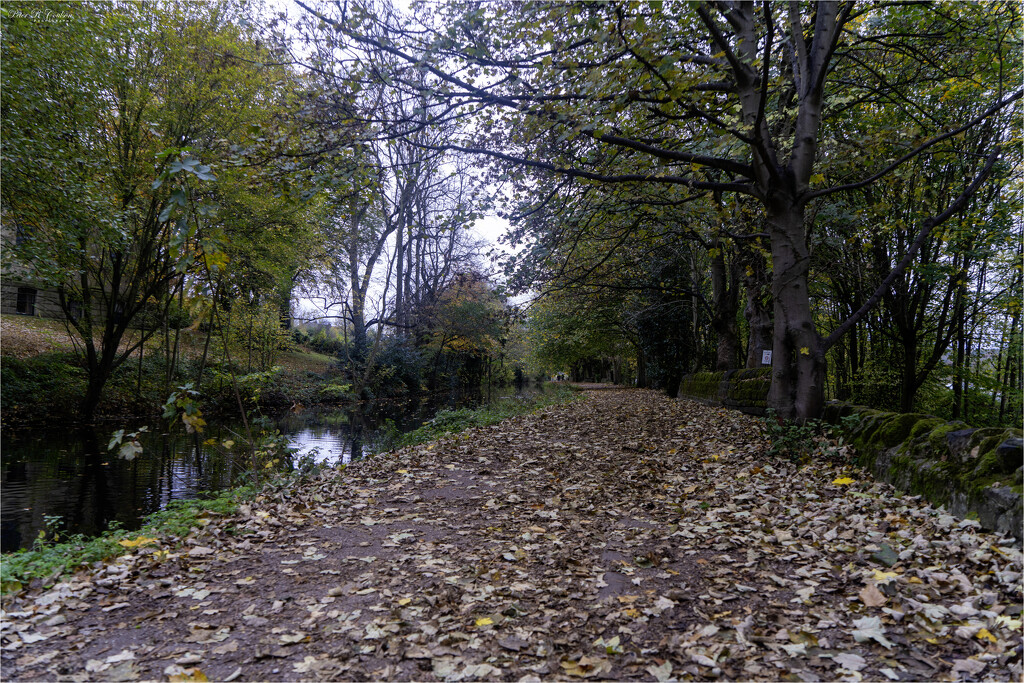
(44, 378)
(55, 555)
(451, 421)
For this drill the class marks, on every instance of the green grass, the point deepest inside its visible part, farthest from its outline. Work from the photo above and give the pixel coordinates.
(48, 561)
(453, 421)
(306, 361)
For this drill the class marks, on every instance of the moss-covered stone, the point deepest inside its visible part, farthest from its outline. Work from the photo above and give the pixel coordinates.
(936, 439)
(924, 456)
(702, 385)
(835, 411)
(985, 434)
(895, 429)
(925, 426)
(864, 435)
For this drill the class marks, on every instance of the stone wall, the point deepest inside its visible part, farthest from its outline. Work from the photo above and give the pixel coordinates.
(745, 390)
(972, 472)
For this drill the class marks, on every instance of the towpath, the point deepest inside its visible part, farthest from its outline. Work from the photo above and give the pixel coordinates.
(626, 536)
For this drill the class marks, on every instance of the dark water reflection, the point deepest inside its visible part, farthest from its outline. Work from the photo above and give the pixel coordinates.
(72, 475)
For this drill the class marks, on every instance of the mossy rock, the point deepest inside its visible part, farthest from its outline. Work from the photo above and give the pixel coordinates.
(869, 424)
(895, 430)
(989, 434)
(835, 411)
(917, 443)
(929, 478)
(925, 426)
(764, 374)
(1011, 453)
(958, 442)
(754, 390)
(998, 454)
(936, 438)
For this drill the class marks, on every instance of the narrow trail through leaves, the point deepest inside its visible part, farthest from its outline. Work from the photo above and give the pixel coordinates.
(626, 536)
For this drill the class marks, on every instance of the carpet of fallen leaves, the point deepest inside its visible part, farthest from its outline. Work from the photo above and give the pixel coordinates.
(626, 536)
(26, 338)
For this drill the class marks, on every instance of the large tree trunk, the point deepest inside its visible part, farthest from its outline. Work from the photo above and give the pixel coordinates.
(756, 312)
(909, 384)
(725, 305)
(798, 360)
(400, 280)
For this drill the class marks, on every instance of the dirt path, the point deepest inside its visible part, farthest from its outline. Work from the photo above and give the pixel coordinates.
(626, 536)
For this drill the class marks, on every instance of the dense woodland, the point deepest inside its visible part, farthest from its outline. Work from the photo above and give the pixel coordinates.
(687, 185)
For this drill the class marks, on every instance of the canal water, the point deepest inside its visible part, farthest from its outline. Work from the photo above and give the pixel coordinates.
(69, 480)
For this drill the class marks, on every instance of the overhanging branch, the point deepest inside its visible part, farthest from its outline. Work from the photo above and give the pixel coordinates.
(929, 224)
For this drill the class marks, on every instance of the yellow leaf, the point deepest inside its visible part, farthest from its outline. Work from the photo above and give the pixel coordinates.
(402, 471)
(843, 481)
(804, 351)
(884, 577)
(141, 540)
(404, 601)
(484, 621)
(632, 613)
(188, 675)
(1009, 622)
(983, 634)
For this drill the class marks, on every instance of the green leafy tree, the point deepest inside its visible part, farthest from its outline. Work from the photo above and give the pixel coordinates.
(113, 117)
(714, 97)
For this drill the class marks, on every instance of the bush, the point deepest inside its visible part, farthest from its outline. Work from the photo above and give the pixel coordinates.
(398, 370)
(47, 561)
(44, 385)
(321, 338)
(461, 419)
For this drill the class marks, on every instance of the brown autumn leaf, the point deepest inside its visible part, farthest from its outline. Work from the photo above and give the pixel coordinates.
(871, 596)
(759, 546)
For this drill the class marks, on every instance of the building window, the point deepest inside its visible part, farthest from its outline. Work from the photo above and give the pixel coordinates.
(22, 233)
(74, 309)
(26, 301)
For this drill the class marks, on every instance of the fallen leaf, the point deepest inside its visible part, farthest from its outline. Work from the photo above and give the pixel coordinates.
(870, 628)
(881, 577)
(872, 597)
(850, 661)
(135, 543)
(586, 667)
(513, 643)
(968, 666)
(662, 673)
(984, 634)
(122, 656)
(844, 481)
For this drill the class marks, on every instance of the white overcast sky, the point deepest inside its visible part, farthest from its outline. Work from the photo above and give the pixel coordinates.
(488, 229)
